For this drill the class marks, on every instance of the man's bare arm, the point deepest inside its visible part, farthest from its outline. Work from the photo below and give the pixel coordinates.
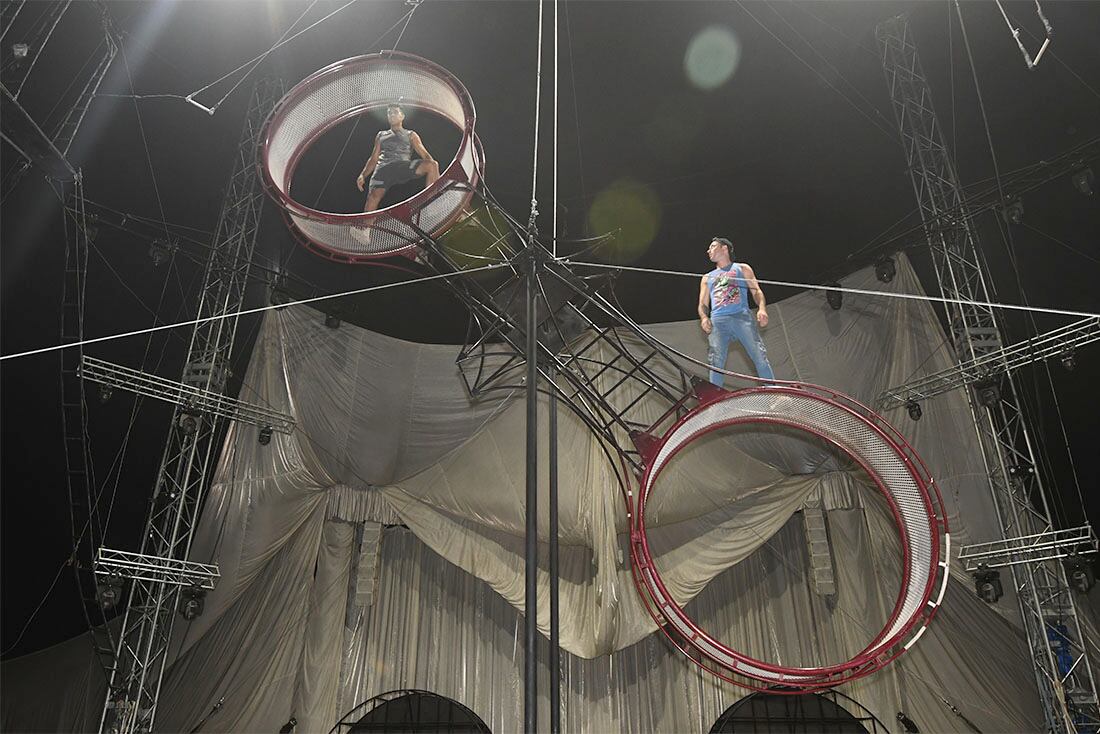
(418, 146)
(704, 305)
(372, 162)
(757, 294)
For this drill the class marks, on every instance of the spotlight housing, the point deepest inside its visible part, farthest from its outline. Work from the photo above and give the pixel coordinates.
(987, 582)
(105, 393)
(20, 51)
(885, 269)
(907, 725)
(1080, 574)
(1084, 180)
(160, 252)
(108, 592)
(1021, 471)
(332, 322)
(192, 602)
(1013, 212)
(988, 391)
(265, 436)
(189, 424)
(835, 299)
(1069, 360)
(914, 409)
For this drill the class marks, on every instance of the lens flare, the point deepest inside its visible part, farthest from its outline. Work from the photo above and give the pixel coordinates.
(631, 211)
(712, 57)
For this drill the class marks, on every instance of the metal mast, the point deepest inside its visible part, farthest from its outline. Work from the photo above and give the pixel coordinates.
(1062, 670)
(161, 578)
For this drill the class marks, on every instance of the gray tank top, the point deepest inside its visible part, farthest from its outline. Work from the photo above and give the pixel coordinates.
(394, 146)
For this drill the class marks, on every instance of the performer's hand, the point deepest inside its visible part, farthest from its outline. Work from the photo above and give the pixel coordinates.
(705, 324)
(361, 182)
(762, 318)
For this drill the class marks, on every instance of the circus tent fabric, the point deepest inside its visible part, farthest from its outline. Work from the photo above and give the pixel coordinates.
(388, 440)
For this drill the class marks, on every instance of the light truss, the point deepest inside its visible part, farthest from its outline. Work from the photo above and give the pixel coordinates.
(1055, 637)
(1059, 342)
(1049, 546)
(169, 571)
(141, 654)
(189, 397)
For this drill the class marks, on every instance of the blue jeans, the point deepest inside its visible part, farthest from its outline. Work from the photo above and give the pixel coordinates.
(741, 327)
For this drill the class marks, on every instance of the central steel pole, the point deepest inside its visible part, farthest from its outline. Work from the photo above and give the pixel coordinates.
(530, 607)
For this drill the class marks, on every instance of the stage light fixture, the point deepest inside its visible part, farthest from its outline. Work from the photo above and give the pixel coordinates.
(885, 269)
(192, 602)
(1021, 471)
(160, 252)
(20, 51)
(332, 322)
(105, 393)
(1013, 212)
(1084, 180)
(265, 436)
(835, 299)
(988, 391)
(987, 582)
(907, 725)
(288, 727)
(1069, 360)
(108, 592)
(189, 424)
(914, 409)
(1080, 574)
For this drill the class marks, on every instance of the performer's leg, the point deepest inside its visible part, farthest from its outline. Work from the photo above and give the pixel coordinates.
(718, 344)
(374, 198)
(430, 171)
(746, 332)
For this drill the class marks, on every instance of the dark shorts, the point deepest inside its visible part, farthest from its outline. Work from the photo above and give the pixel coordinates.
(393, 173)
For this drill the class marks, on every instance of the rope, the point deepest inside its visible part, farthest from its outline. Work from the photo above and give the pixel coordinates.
(554, 231)
(247, 311)
(841, 289)
(535, 153)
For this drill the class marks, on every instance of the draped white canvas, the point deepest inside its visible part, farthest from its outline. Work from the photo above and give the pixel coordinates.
(386, 432)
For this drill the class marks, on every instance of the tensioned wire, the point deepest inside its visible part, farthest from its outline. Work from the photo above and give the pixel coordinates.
(245, 312)
(842, 289)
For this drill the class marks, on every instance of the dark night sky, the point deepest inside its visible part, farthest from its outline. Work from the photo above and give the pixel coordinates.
(794, 157)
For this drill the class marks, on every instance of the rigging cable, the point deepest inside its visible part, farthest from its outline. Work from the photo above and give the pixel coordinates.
(1006, 235)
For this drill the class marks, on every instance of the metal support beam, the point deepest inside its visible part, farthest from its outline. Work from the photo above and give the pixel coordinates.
(50, 152)
(1063, 673)
(171, 571)
(16, 71)
(143, 648)
(1049, 546)
(531, 555)
(187, 395)
(1059, 342)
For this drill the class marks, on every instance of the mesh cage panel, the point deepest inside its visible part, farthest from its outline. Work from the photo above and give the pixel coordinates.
(854, 434)
(353, 87)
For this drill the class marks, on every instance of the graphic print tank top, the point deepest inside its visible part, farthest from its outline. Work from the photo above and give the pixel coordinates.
(728, 293)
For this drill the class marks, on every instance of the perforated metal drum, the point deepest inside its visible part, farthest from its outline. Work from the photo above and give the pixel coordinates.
(354, 87)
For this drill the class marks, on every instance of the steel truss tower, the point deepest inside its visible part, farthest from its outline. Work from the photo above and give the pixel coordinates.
(1058, 651)
(161, 578)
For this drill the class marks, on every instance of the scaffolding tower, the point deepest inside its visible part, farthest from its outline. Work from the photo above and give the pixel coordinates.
(161, 578)
(1057, 647)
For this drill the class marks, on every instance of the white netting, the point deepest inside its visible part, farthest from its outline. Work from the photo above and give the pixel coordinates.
(855, 436)
(353, 87)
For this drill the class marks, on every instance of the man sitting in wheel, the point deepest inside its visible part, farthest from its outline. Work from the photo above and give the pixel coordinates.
(391, 163)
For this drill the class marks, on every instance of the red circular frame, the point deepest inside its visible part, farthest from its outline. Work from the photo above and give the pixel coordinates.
(405, 211)
(878, 652)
